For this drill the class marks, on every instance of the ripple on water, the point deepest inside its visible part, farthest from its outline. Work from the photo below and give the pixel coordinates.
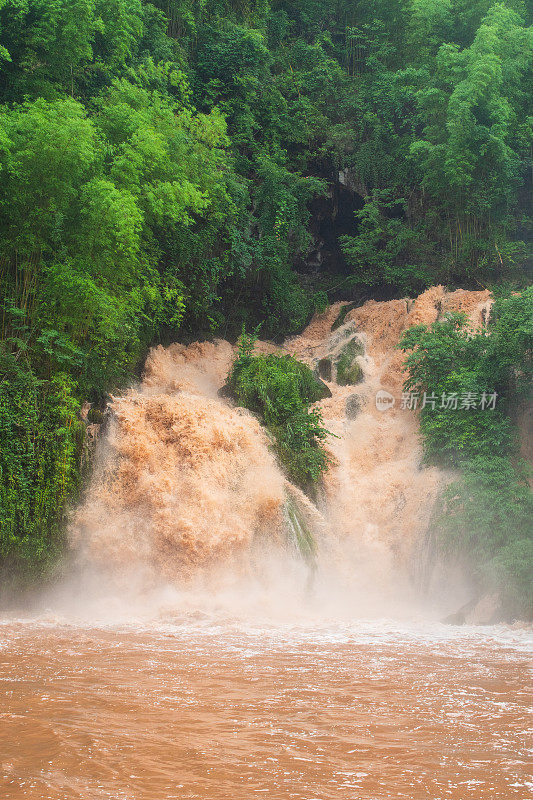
(210, 708)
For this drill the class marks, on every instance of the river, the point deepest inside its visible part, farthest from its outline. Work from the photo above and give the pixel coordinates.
(215, 708)
(253, 673)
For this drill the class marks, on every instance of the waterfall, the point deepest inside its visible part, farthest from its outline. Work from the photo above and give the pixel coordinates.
(185, 481)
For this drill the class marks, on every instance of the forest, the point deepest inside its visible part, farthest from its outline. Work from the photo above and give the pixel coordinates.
(180, 169)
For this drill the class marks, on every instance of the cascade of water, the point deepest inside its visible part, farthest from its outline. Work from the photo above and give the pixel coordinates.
(185, 480)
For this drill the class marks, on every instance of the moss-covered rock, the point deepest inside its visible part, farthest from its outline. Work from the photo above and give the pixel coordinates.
(341, 316)
(353, 406)
(322, 390)
(349, 372)
(354, 347)
(349, 375)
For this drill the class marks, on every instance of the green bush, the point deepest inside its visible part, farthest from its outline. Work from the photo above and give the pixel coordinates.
(280, 390)
(485, 513)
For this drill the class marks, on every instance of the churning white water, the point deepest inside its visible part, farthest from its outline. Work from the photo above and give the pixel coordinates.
(192, 652)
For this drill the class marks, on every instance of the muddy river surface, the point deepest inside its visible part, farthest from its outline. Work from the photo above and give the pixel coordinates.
(196, 707)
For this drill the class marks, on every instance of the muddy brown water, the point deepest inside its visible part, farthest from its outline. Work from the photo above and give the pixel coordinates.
(231, 710)
(206, 705)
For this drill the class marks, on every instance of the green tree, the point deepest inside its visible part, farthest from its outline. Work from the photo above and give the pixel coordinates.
(486, 511)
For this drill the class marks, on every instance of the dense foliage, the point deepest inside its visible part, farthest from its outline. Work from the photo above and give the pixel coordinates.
(40, 445)
(280, 390)
(487, 511)
(175, 168)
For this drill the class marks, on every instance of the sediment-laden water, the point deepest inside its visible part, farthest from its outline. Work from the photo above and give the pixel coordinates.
(207, 707)
(189, 651)
(185, 480)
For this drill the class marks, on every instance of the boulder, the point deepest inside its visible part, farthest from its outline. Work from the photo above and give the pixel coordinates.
(226, 392)
(343, 313)
(459, 617)
(353, 406)
(349, 371)
(349, 375)
(485, 610)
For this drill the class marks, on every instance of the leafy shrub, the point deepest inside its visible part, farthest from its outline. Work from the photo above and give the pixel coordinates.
(281, 389)
(486, 512)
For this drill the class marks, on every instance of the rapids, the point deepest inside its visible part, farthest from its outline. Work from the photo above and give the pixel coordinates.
(205, 707)
(189, 651)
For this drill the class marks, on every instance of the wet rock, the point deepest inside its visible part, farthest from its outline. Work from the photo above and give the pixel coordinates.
(486, 610)
(341, 316)
(459, 617)
(226, 392)
(355, 347)
(353, 406)
(322, 390)
(324, 369)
